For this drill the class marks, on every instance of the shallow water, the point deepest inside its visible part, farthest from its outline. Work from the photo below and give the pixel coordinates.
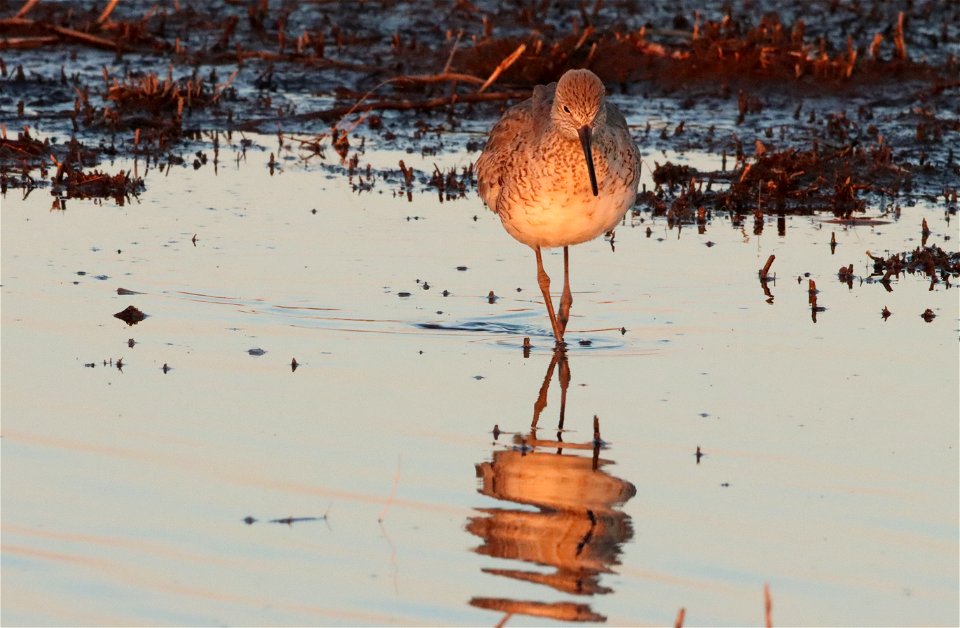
(829, 438)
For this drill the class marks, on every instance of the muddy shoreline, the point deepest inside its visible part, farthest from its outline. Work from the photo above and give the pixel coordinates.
(812, 108)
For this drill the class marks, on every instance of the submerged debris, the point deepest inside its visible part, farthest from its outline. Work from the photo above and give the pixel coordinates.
(928, 260)
(130, 315)
(96, 184)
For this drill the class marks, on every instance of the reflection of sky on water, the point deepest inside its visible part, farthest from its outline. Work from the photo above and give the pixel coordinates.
(124, 492)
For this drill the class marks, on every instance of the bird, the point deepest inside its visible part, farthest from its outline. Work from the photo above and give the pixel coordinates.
(559, 169)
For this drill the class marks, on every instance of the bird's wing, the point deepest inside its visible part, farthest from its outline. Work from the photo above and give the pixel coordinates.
(541, 104)
(626, 145)
(510, 142)
(506, 138)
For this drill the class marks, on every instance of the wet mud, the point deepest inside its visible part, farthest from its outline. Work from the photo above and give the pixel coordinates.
(828, 107)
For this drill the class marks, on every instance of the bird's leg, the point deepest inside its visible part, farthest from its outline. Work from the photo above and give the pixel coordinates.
(564, 377)
(541, 401)
(544, 280)
(566, 299)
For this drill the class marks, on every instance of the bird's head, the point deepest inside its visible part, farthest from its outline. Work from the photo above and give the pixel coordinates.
(578, 107)
(579, 102)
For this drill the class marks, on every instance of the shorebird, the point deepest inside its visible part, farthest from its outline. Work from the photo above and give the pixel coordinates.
(560, 168)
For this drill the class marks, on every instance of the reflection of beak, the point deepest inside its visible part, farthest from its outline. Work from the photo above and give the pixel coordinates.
(584, 133)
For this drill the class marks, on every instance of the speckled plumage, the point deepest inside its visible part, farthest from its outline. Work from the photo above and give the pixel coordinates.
(560, 168)
(532, 171)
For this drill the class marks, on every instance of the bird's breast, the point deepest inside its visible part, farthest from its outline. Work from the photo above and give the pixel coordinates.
(547, 200)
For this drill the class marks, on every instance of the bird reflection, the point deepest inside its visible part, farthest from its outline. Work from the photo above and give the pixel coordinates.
(576, 530)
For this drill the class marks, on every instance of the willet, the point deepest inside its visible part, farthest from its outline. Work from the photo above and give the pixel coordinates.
(560, 168)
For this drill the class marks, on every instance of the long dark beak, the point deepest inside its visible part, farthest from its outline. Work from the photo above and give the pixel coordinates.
(584, 133)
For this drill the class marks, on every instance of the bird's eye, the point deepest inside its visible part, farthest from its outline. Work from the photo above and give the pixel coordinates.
(566, 109)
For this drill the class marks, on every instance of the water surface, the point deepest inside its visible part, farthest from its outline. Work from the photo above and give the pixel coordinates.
(829, 438)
